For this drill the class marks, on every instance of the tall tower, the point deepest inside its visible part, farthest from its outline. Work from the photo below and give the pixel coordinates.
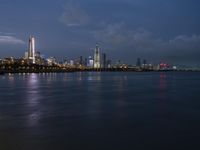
(138, 63)
(31, 51)
(104, 61)
(97, 57)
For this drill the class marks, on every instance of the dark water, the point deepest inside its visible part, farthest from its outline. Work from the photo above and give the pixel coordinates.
(100, 111)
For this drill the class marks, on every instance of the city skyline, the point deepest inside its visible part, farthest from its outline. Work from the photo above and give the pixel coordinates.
(155, 30)
(99, 59)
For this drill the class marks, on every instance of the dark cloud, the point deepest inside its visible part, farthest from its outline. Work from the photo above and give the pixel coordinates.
(143, 43)
(74, 15)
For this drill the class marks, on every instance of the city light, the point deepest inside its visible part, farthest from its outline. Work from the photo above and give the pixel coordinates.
(33, 61)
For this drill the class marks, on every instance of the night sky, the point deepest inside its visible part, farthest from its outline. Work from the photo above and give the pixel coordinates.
(156, 30)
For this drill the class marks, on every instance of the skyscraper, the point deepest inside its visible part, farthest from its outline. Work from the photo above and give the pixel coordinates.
(138, 63)
(144, 62)
(97, 57)
(104, 63)
(86, 62)
(31, 51)
(90, 62)
(81, 60)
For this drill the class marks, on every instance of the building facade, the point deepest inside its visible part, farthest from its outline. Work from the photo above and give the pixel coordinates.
(31, 50)
(97, 62)
(104, 61)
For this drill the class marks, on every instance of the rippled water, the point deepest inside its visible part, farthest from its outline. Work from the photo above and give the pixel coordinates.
(100, 111)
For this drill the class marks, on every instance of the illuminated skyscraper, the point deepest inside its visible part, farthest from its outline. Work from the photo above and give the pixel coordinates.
(90, 62)
(31, 51)
(97, 57)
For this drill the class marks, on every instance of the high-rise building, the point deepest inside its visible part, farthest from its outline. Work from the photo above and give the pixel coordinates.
(81, 60)
(104, 63)
(108, 63)
(26, 55)
(97, 63)
(51, 61)
(138, 63)
(144, 62)
(31, 51)
(86, 62)
(71, 63)
(90, 62)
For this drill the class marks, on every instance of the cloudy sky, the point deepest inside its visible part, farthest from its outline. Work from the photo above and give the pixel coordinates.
(156, 30)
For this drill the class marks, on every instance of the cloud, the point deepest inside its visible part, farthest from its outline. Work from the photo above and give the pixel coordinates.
(143, 43)
(10, 40)
(74, 15)
(119, 34)
(183, 46)
(185, 42)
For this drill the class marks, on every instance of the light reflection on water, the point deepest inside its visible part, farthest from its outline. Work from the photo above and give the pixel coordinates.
(11, 79)
(163, 86)
(117, 109)
(33, 98)
(32, 92)
(94, 76)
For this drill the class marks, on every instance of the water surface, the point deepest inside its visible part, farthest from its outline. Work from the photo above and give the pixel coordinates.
(100, 111)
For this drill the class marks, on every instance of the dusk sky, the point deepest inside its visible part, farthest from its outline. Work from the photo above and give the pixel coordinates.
(156, 30)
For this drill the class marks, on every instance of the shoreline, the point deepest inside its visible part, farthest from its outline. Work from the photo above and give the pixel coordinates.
(3, 72)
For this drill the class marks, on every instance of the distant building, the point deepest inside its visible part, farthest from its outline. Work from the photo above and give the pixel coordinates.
(31, 51)
(108, 63)
(51, 61)
(71, 63)
(97, 63)
(81, 60)
(9, 60)
(144, 62)
(37, 54)
(164, 66)
(118, 64)
(90, 62)
(38, 59)
(138, 63)
(104, 61)
(65, 61)
(86, 62)
(174, 67)
(26, 55)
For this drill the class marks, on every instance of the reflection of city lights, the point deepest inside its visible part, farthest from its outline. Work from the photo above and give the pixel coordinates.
(33, 79)
(163, 81)
(94, 77)
(33, 99)
(163, 87)
(11, 77)
(34, 118)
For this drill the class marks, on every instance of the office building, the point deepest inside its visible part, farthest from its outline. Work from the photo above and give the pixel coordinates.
(31, 51)
(104, 61)
(81, 60)
(97, 64)
(90, 62)
(26, 55)
(86, 62)
(138, 63)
